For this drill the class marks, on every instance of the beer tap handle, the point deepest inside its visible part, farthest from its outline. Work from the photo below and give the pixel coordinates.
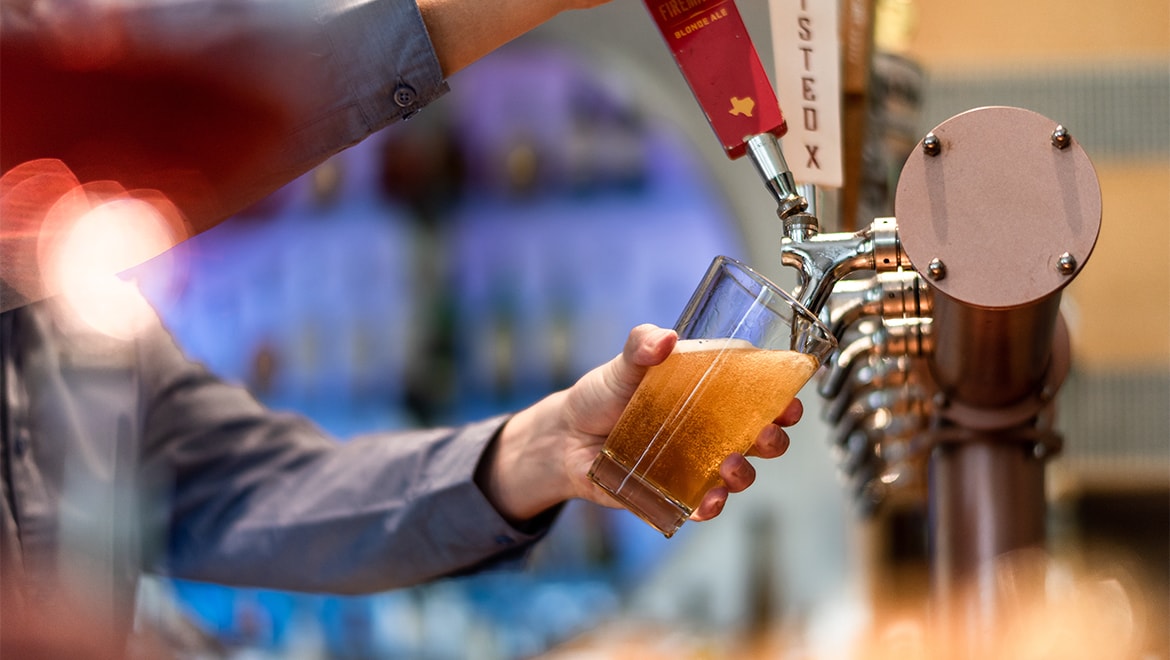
(715, 54)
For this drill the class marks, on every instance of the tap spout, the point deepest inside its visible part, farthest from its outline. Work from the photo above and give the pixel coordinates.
(821, 260)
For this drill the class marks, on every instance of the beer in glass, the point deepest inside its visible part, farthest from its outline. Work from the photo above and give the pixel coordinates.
(745, 349)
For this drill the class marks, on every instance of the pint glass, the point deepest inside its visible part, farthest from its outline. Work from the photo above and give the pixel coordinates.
(745, 349)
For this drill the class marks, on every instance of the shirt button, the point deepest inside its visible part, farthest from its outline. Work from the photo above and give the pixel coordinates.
(405, 96)
(504, 540)
(19, 445)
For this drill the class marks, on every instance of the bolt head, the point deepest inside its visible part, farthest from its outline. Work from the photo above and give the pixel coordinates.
(931, 145)
(1066, 264)
(1061, 137)
(936, 270)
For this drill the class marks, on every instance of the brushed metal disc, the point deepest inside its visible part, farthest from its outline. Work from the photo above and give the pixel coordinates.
(998, 205)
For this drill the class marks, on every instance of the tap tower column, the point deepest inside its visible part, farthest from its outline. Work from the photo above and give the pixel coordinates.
(999, 208)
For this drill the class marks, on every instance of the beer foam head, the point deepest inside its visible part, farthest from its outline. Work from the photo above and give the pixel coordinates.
(689, 345)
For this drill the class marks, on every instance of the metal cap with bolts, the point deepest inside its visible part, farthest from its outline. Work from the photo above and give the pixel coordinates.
(1007, 199)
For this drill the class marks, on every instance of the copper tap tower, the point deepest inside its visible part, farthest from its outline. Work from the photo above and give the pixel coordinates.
(952, 345)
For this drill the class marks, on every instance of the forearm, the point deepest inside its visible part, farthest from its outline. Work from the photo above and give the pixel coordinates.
(463, 31)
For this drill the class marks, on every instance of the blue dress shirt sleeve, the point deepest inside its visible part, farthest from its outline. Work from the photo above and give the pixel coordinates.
(266, 499)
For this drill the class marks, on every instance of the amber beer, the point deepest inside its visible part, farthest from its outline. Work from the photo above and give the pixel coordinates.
(709, 399)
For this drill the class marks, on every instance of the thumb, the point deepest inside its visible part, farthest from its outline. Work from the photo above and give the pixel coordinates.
(595, 402)
(646, 346)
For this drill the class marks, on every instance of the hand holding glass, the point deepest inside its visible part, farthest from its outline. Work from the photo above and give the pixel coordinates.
(745, 349)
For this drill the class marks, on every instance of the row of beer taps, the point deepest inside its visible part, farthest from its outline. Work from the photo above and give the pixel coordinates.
(877, 387)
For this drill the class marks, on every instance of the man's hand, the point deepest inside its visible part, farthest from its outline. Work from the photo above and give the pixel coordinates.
(543, 454)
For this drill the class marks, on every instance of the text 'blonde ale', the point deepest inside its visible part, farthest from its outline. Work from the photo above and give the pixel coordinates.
(709, 399)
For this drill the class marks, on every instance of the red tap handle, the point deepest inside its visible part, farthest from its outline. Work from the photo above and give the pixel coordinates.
(715, 54)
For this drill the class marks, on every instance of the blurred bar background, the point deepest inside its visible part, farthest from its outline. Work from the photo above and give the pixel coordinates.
(502, 242)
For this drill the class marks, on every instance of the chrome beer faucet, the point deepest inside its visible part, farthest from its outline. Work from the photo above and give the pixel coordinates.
(887, 295)
(882, 322)
(821, 260)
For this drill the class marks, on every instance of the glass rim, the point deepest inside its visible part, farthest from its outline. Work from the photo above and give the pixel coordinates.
(797, 307)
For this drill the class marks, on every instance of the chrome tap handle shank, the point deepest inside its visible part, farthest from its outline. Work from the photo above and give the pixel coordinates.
(764, 151)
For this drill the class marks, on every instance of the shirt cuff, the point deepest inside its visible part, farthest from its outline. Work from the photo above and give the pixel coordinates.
(478, 517)
(383, 49)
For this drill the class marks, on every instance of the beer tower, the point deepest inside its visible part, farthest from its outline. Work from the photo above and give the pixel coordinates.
(952, 345)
